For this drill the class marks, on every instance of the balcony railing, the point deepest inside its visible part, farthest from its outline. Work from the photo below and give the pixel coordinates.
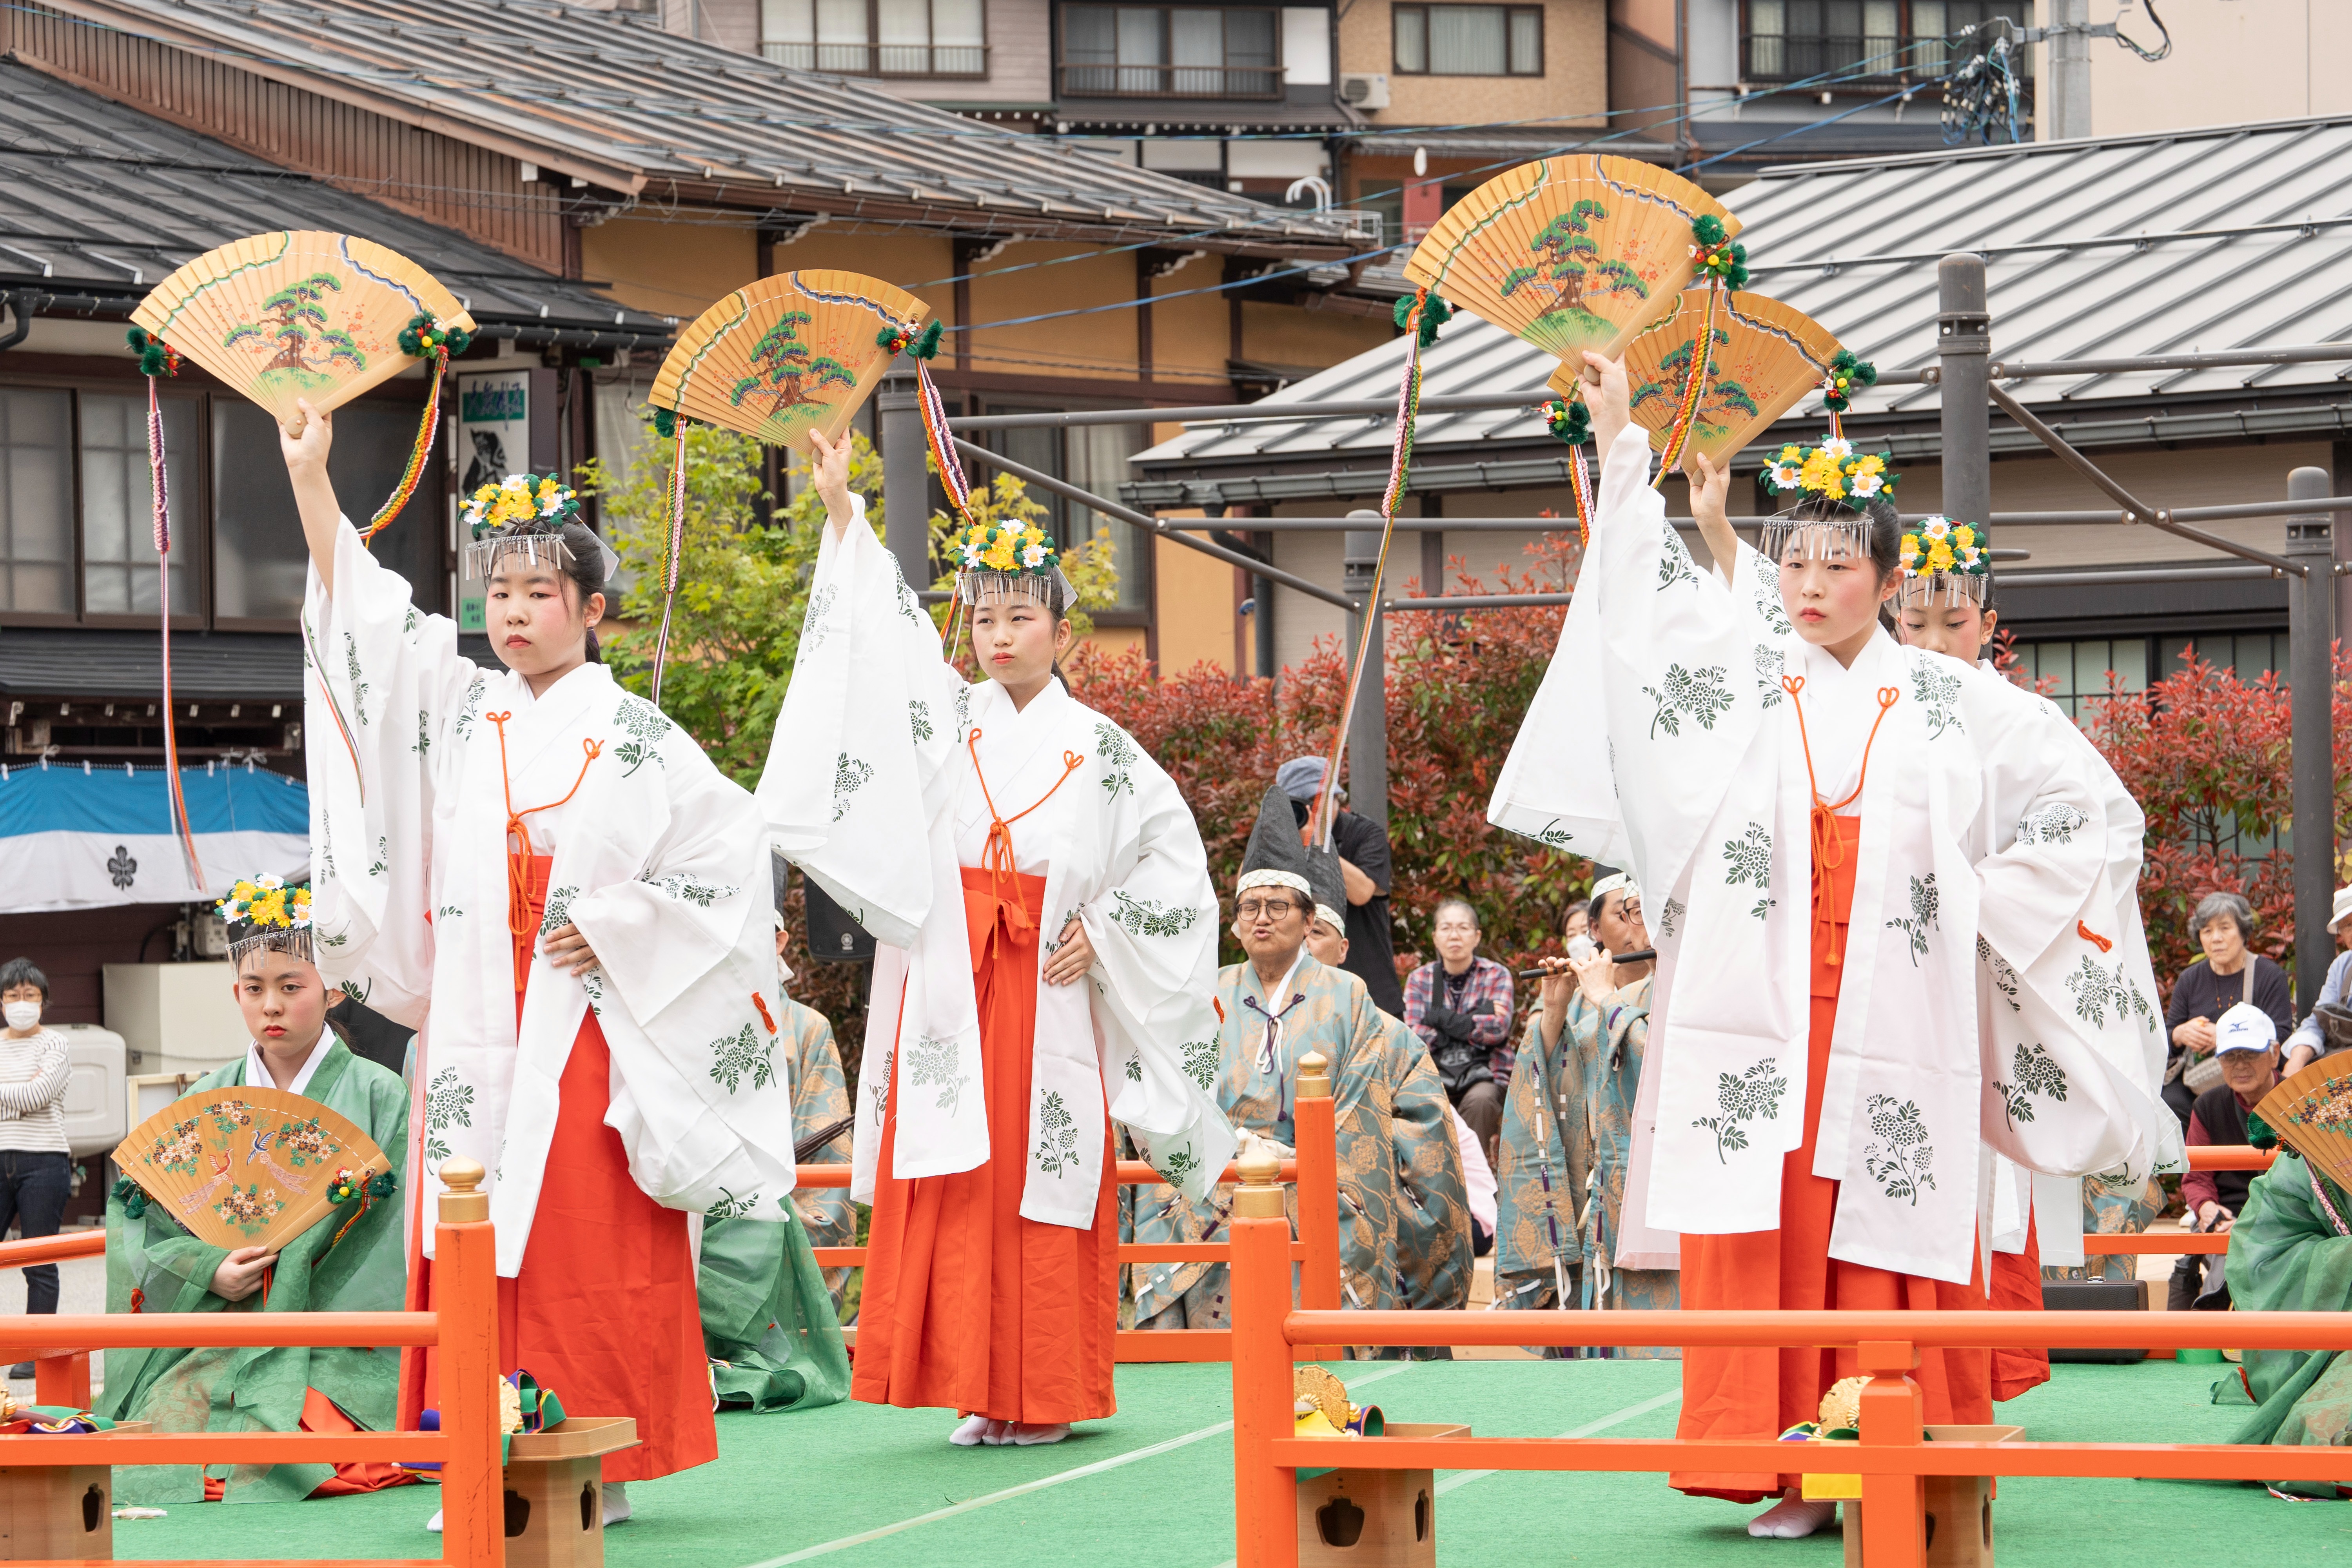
(1171, 81)
(882, 59)
(1788, 56)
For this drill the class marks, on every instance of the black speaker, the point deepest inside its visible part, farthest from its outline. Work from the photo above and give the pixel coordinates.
(2096, 1296)
(833, 936)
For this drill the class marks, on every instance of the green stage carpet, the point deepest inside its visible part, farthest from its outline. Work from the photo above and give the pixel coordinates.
(865, 1488)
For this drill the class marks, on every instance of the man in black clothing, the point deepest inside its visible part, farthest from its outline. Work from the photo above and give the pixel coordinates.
(2246, 1045)
(1363, 846)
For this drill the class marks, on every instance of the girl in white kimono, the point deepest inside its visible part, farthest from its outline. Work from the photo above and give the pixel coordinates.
(952, 820)
(553, 884)
(1849, 837)
(1946, 606)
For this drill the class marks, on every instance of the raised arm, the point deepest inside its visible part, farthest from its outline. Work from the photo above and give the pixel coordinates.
(305, 447)
(1709, 486)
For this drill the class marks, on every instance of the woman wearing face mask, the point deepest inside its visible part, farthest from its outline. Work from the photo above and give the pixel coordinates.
(1047, 941)
(36, 1160)
(1833, 833)
(352, 1261)
(1945, 606)
(577, 896)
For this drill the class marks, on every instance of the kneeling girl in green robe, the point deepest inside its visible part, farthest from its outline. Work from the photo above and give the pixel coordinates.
(343, 1264)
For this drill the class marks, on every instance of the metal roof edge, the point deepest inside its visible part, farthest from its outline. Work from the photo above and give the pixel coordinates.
(2029, 149)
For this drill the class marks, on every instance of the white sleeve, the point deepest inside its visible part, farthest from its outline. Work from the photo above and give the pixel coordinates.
(861, 746)
(384, 687)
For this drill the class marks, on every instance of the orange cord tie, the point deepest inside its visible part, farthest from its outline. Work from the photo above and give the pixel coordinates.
(996, 859)
(2094, 938)
(765, 1016)
(1829, 849)
(519, 892)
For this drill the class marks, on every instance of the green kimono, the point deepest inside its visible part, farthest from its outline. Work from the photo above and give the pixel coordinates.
(1387, 1119)
(262, 1389)
(771, 1317)
(1571, 1187)
(2290, 1251)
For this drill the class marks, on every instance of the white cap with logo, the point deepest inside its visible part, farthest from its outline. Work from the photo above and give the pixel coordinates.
(2244, 1027)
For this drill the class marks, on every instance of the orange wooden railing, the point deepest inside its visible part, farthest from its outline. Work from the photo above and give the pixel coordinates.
(1316, 1170)
(1270, 1335)
(465, 1330)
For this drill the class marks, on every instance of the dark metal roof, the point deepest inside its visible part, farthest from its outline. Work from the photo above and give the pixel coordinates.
(609, 98)
(2230, 237)
(1204, 114)
(100, 203)
(210, 667)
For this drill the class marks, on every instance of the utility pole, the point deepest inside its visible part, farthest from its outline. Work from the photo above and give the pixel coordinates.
(2069, 35)
(1964, 341)
(2311, 635)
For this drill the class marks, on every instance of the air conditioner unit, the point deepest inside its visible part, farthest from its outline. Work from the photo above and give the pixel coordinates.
(1364, 90)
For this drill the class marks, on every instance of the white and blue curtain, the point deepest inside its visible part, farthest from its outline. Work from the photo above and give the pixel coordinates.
(81, 835)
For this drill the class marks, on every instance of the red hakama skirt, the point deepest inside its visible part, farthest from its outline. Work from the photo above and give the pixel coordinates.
(604, 1312)
(1759, 1393)
(968, 1305)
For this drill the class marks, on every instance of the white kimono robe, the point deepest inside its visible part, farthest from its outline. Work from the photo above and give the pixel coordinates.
(2056, 1202)
(870, 789)
(659, 860)
(1982, 848)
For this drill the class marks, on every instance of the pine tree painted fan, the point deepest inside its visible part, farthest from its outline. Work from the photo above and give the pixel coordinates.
(1766, 357)
(797, 352)
(299, 314)
(2312, 1112)
(1569, 253)
(251, 1166)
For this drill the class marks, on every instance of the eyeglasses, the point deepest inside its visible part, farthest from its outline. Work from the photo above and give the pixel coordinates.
(1266, 909)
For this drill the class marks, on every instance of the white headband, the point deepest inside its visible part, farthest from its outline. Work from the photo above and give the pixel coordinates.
(1291, 880)
(1611, 884)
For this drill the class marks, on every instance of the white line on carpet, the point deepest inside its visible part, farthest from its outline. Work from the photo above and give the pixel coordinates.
(1464, 1477)
(1148, 1451)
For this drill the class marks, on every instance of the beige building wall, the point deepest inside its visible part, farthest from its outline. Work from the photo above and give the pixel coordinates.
(2231, 61)
(1574, 86)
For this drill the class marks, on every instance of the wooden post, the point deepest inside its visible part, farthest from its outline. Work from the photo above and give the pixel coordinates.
(466, 1288)
(1893, 1508)
(62, 1380)
(1318, 1184)
(1265, 1496)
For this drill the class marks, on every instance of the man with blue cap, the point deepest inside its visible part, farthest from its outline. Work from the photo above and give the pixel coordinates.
(1363, 846)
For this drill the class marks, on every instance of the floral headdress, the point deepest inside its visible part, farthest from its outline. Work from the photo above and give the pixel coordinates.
(998, 561)
(264, 913)
(522, 514)
(1833, 471)
(1953, 560)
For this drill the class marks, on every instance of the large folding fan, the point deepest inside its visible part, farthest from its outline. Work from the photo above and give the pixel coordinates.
(1766, 357)
(1569, 253)
(298, 314)
(792, 353)
(248, 1166)
(2312, 1112)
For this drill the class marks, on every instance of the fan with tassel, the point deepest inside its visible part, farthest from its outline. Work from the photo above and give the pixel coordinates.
(1570, 253)
(1766, 357)
(2312, 1112)
(280, 317)
(775, 359)
(245, 1165)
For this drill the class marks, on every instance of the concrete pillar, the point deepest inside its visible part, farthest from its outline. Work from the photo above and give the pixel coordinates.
(2311, 633)
(1964, 340)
